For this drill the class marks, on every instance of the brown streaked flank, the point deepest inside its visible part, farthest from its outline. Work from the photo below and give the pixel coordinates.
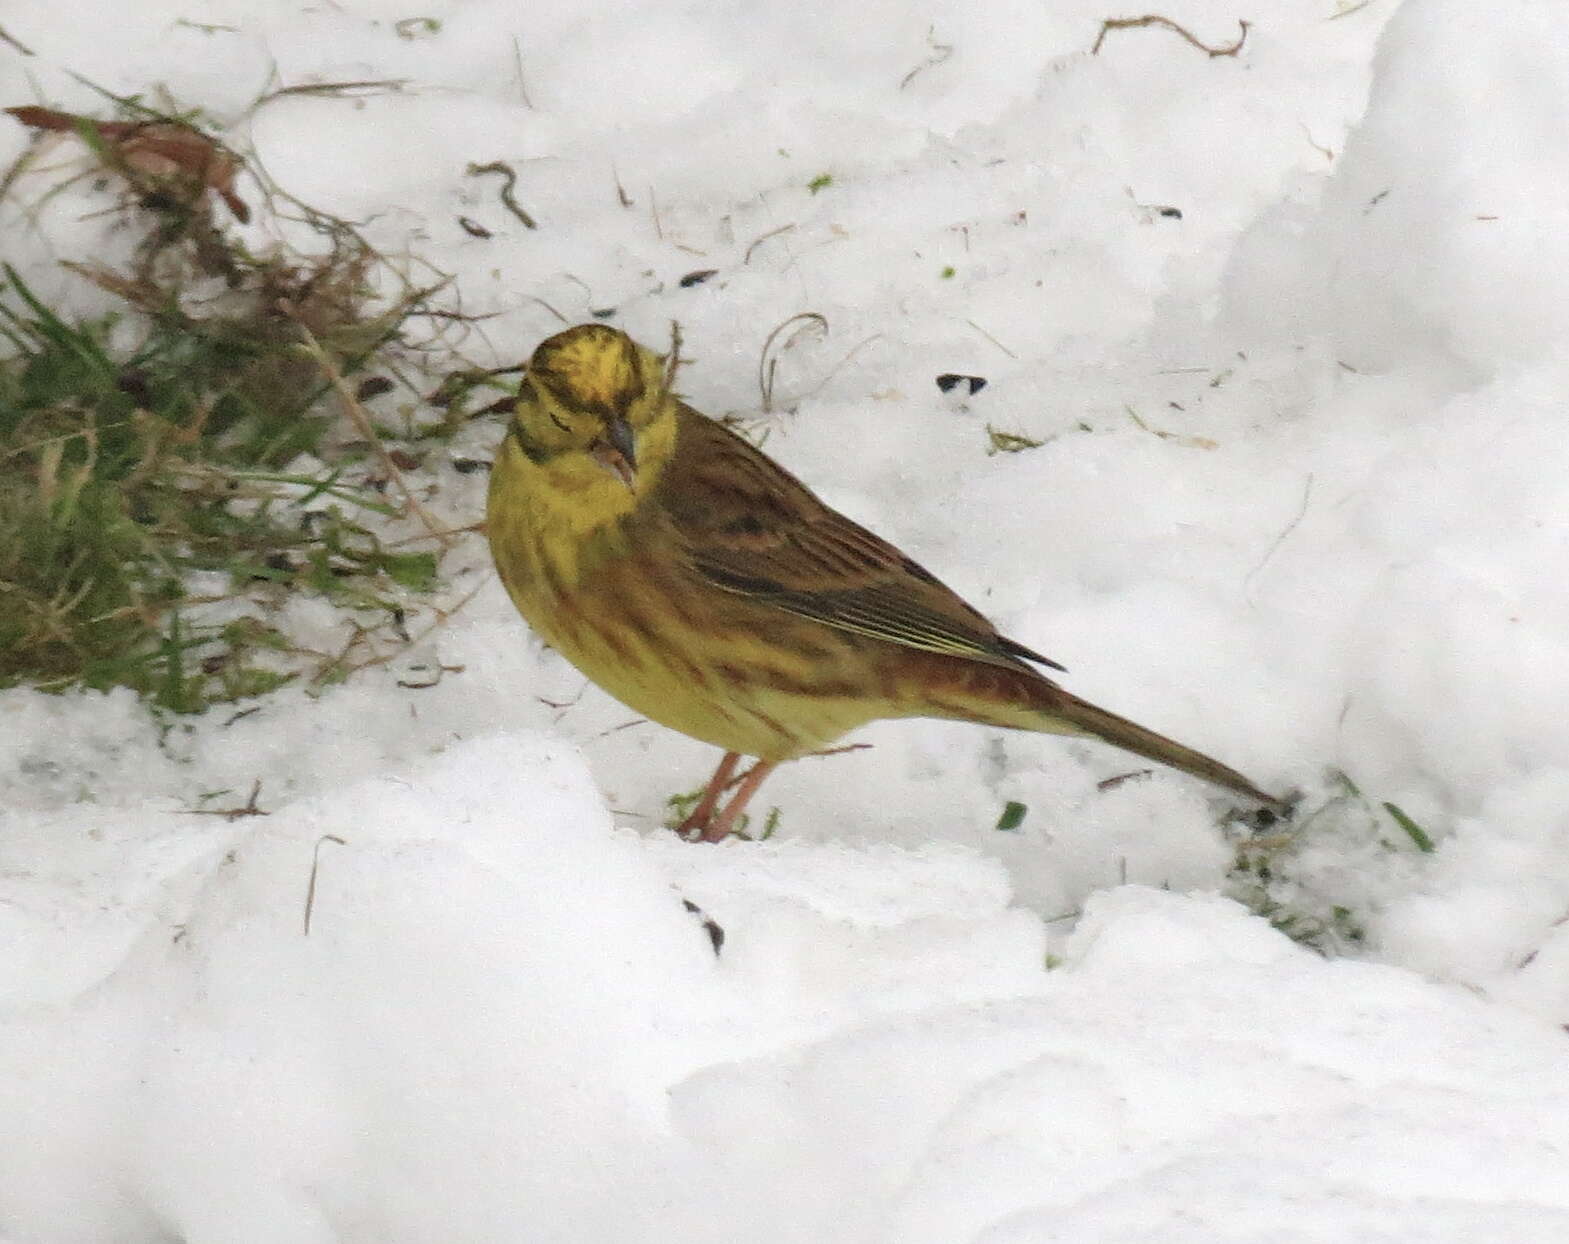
(709, 590)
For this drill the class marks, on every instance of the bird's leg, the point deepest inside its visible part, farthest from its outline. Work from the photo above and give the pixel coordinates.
(724, 824)
(717, 785)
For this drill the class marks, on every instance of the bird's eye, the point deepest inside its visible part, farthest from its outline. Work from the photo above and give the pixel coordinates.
(556, 421)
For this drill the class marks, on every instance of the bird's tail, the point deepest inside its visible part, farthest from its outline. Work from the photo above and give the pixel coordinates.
(1052, 710)
(1132, 737)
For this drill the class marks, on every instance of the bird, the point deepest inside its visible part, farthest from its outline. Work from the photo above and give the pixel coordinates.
(709, 590)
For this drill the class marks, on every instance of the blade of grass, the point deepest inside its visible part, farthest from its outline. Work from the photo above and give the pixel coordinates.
(1415, 832)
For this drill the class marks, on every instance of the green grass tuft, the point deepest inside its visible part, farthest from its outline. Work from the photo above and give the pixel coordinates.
(170, 472)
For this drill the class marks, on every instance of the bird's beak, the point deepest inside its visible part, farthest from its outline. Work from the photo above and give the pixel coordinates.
(617, 453)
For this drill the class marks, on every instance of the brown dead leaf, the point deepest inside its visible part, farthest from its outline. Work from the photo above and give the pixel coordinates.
(158, 150)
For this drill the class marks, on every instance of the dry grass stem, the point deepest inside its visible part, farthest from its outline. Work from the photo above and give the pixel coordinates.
(1154, 19)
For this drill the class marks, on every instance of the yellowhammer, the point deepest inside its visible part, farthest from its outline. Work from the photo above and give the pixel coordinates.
(708, 589)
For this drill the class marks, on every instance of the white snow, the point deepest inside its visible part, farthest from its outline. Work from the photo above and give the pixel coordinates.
(1301, 502)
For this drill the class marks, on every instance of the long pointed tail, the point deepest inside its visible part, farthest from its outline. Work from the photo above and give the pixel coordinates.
(1071, 715)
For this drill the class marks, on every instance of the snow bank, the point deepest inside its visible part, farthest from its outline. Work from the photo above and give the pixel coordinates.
(1298, 500)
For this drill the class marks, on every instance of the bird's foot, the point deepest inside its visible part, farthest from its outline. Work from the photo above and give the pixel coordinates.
(709, 822)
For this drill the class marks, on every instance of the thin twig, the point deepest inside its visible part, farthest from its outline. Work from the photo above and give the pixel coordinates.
(625, 725)
(504, 170)
(19, 165)
(673, 360)
(1176, 438)
(1323, 151)
(991, 339)
(470, 529)
(458, 383)
(248, 808)
(360, 418)
(1112, 783)
(517, 61)
(16, 43)
(940, 53)
(207, 28)
(767, 366)
(310, 888)
(1307, 492)
(458, 317)
(843, 750)
(1155, 19)
(548, 307)
(337, 664)
(759, 240)
(443, 616)
(837, 367)
(392, 86)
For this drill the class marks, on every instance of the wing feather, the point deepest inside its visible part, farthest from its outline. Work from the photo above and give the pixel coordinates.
(750, 527)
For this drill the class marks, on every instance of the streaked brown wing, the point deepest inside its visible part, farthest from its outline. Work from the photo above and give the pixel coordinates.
(752, 528)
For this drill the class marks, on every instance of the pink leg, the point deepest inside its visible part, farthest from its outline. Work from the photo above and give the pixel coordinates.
(703, 813)
(723, 825)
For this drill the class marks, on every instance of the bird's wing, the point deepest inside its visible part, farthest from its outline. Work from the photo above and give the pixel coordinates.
(750, 527)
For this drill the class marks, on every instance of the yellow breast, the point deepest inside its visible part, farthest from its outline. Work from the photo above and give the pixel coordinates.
(670, 647)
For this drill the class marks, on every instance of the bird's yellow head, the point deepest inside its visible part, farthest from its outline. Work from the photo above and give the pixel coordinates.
(592, 395)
